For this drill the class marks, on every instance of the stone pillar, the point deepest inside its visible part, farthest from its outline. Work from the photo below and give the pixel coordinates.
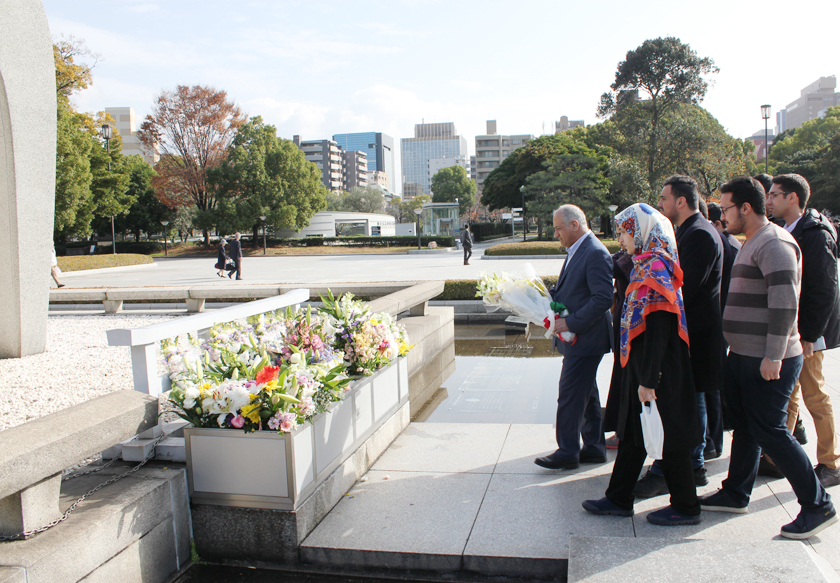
(27, 175)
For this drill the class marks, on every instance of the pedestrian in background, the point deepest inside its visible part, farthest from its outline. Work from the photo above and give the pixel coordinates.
(222, 258)
(467, 244)
(236, 255)
(54, 269)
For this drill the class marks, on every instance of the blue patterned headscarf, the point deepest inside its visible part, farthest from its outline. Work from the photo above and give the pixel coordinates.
(656, 278)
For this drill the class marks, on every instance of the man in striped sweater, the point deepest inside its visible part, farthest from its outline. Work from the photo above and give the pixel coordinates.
(765, 357)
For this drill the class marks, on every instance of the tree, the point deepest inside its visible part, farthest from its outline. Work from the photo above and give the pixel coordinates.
(71, 76)
(264, 175)
(825, 187)
(670, 73)
(811, 135)
(452, 182)
(146, 212)
(192, 127)
(74, 204)
(363, 199)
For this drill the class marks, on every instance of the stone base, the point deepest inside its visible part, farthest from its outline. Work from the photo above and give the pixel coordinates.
(136, 530)
(232, 534)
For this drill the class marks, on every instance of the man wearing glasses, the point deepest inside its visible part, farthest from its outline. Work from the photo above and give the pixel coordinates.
(819, 313)
(764, 361)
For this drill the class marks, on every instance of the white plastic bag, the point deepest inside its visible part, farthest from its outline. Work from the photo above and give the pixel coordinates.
(652, 430)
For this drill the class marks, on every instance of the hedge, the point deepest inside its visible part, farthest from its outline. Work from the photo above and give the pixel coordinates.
(539, 248)
(137, 247)
(485, 231)
(465, 289)
(358, 241)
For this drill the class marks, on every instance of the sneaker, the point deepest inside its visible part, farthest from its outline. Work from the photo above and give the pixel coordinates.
(612, 442)
(768, 469)
(650, 485)
(720, 501)
(700, 478)
(799, 432)
(808, 524)
(827, 476)
(710, 453)
(605, 507)
(669, 517)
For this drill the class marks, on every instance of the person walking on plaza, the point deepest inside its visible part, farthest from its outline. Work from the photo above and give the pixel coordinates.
(236, 255)
(654, 355)
(54, 270)
(819, 313)
(222, 258)
(765, 357)
(467, 244)
(701, 260)
(585, 287)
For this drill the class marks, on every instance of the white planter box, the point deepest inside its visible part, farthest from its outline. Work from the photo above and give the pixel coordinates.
(266, 469)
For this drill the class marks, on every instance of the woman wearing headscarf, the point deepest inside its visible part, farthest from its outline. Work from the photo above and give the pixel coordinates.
(222, 259)
(656, 366)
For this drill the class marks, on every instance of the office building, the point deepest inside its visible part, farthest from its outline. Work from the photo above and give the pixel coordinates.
(431, 141)
(378, 147)
(491, 149)
(472, 168)
(760, 144)
(566, 124)
(126, 125)
(355, 169)
(812, 102)
(326, 155)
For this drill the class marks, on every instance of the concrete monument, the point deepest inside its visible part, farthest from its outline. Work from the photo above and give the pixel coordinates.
(27, 175)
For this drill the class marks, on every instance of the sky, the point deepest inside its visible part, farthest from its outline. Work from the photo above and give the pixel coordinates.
(318, 68)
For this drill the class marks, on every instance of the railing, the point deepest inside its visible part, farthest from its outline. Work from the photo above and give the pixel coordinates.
(144, 341)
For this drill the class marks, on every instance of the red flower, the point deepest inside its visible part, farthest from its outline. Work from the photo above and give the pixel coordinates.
(268, 374)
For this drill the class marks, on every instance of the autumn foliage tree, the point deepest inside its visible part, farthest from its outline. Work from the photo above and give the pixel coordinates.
(192, 128)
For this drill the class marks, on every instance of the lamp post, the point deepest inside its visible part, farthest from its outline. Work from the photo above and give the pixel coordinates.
(107, 134)
(765, 115)
(164, 223)
(613, 208)
(418, 212)
(524, 227)
(262, 218)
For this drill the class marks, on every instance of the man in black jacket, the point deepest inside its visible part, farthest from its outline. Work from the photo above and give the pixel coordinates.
(701, 259)
(236, 255)
(819, 313)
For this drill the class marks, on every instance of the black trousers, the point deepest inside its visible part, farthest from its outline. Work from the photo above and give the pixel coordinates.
(676, 468)
(238, 262)
(467, 252)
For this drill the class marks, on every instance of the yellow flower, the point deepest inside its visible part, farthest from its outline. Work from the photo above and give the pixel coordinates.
(252, 412)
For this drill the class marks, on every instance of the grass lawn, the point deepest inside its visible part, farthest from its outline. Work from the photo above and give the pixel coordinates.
(532, 247)
(83, 262)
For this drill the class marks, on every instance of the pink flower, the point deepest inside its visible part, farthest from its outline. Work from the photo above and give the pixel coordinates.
(238, 421)
(287, 422)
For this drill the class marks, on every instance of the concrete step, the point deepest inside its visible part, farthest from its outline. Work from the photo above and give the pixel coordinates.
(608, 559)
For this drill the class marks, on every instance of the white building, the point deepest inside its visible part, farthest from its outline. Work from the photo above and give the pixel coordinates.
(127, 127)
(438, 164)
(334, 224)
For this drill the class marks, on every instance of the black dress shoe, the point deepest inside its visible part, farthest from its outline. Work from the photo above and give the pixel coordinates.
(592, 458)
(551, 462)
(799, 432)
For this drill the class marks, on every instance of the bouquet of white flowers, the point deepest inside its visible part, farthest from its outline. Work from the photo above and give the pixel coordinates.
(526, 297)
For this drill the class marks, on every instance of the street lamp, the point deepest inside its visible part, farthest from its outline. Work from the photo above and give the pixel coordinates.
(765, 115)
(524, 227)
(164, 223)
(107, 135)
(613, 208)
(262, 218)
(418, 212)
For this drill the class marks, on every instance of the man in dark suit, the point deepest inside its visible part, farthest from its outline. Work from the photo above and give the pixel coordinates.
(585, 287)
(236, 255)
(701, 258)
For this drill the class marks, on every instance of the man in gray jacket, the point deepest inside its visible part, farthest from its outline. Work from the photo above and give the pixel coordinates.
(467, 243)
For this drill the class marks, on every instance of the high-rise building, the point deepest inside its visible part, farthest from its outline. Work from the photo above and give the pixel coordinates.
(127, 126)
(472, 168)
(355, 169)
(379, 148)
(812, 103)
(491, 149)
(431, 141)
(326, 155)
(566, 124)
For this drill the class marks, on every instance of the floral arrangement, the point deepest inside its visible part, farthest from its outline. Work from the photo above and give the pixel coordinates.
(277, 370)
(526, 297)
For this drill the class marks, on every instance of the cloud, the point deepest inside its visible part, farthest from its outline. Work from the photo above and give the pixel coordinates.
(143, 8)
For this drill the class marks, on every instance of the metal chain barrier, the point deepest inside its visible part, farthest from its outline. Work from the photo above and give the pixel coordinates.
(29, 533)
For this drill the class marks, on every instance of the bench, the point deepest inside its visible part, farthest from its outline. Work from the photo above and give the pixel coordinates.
(196, 296)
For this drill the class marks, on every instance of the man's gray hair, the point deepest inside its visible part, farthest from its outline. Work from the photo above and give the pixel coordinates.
(569, 213)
